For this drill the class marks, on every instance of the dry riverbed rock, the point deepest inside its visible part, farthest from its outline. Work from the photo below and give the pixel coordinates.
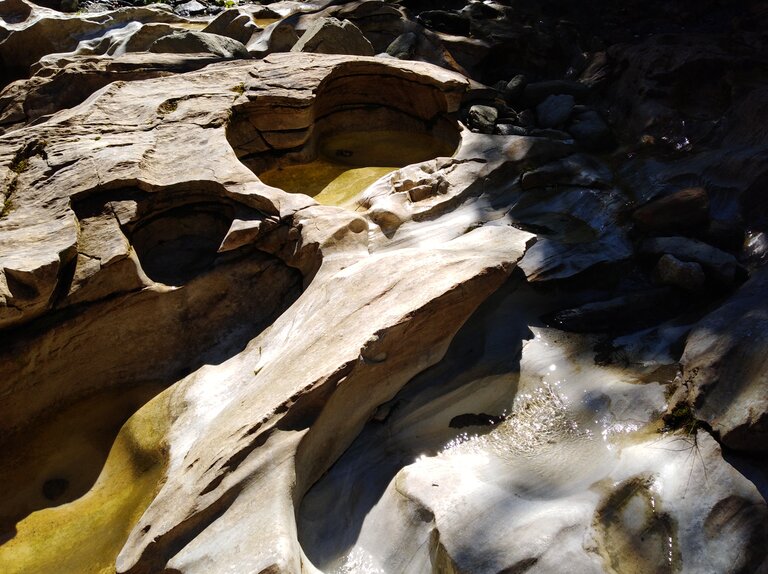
(270, 303)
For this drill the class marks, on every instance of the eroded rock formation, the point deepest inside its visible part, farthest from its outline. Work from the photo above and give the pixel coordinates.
(488, 301)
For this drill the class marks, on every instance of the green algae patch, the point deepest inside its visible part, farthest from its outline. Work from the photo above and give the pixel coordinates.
(343, 189)
(85, 535)
(349, 162)
(58, 457)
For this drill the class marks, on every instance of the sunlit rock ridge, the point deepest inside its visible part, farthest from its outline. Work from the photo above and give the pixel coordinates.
(409, 287)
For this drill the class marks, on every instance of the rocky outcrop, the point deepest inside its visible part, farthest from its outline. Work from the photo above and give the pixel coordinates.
(331, 36)
(723, 369)
(31, 32)
(617, 509)
(72, 80)
(190, 41)
(487, 301)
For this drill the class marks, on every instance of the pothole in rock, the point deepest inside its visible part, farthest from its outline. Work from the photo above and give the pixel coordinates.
(198, 26)
(60, 458)
(176, 234)
(359, 128)
(178, 244)
(75, 486)
(347, 163)
(264, 22)
(75, 475)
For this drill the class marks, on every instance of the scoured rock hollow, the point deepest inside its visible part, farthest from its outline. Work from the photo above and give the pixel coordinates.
(383, 287)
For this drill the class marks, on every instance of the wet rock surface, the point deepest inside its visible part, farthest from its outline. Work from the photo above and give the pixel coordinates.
(383, 287)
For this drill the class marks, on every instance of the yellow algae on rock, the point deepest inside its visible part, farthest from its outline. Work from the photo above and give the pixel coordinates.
(84, 536)
(327, 182)
(264, 22)
(349, 162)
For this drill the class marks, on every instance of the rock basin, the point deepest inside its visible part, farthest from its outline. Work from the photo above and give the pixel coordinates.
(348, 163)
(89, 501)
(365, 120)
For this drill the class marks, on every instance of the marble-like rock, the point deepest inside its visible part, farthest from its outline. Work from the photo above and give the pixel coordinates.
(40, 31)
(381, 351)
(358, 381)
(127, 236)
(37, 266)
(71, 80)
(573, 473)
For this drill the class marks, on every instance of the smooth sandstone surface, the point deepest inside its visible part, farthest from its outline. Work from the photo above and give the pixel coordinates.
(264, 310)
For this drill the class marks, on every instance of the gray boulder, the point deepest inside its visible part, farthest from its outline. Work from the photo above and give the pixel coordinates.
(555, 110)
(725, 368)
(403, 47)
(278, 37)
(191, 8)
(483, 118)
(193, 42)
(233, 24)
(686, 275)
(722, 265)
(333, 36)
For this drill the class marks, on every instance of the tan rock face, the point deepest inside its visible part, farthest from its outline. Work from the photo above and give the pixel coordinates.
(34, 31)
(290, 315)
(158, 221)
